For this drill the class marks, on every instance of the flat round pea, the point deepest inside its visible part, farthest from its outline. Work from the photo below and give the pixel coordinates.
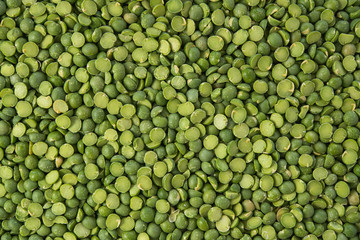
(223, 225)
(144, 183)
(58, 208)
(60, 106)
(9, 100)
(349, 157)
(89, 7)
(19, 129)
(285, 88)
(103, 64)
(91, 171)
(256, 33)
(157, 134)
(279, 72)
(185, 109)
(139, 55)
(81, 231)
(288, 220)
(63, 8)
(342, 189)
(127, 111)
(174, 6)
(120, 53)
(160, 169)
(115, 9)
(162, 206)
(349, 63)
(215, 43)
(113, 221)
(305, 160)
(23, 109)
(268, 232)
(52, 177)
(37, 9)
(67, 191)
(101, 100)
(63, 121)
(35, 209)
(178, 23)
(122, 184)
(267, 128)
(266, 183)
(265, 160)
(297, 49)
(241, 130)
(39, 148)
(78, 39)
(220, 121)
(99, 196)
(249, 48)
(234, 75)
(32, 223)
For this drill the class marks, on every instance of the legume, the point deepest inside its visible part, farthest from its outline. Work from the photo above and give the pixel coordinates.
(179, 119)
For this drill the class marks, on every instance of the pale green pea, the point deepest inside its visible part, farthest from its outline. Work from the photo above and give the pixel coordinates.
(60, 106)
(99, 196)
(9, 100)
(19, 129)
(249, 48)
(77, 39)
(288, 220)
(67, 191)
(157, 134)
(23, 109)
(139, 55)
(162, 206)
(20, 90)
(241, 130)
(234, 75)
(223, 225)
(178, 23)
(267, 128)
(247, 181)
(58, 208)
(144, 183)
(103, 64)
(305, 160)
(91, 171)
(101, 100)
(349, 157)
(185, 109)
(297, 49)
(265, 160)
(253, 223)
(66, 150)
(35, 209)
(32, 223)
(52, 177)
(220, 121)
(63, 121)
(174, 6)
(342, 189)
(113, 221)
(122, 184)
(215, 43)
(6, 172)
(127, 111)
(39, 148)
(285, 88)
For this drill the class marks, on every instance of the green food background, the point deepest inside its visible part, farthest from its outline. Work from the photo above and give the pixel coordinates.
(179, 119)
